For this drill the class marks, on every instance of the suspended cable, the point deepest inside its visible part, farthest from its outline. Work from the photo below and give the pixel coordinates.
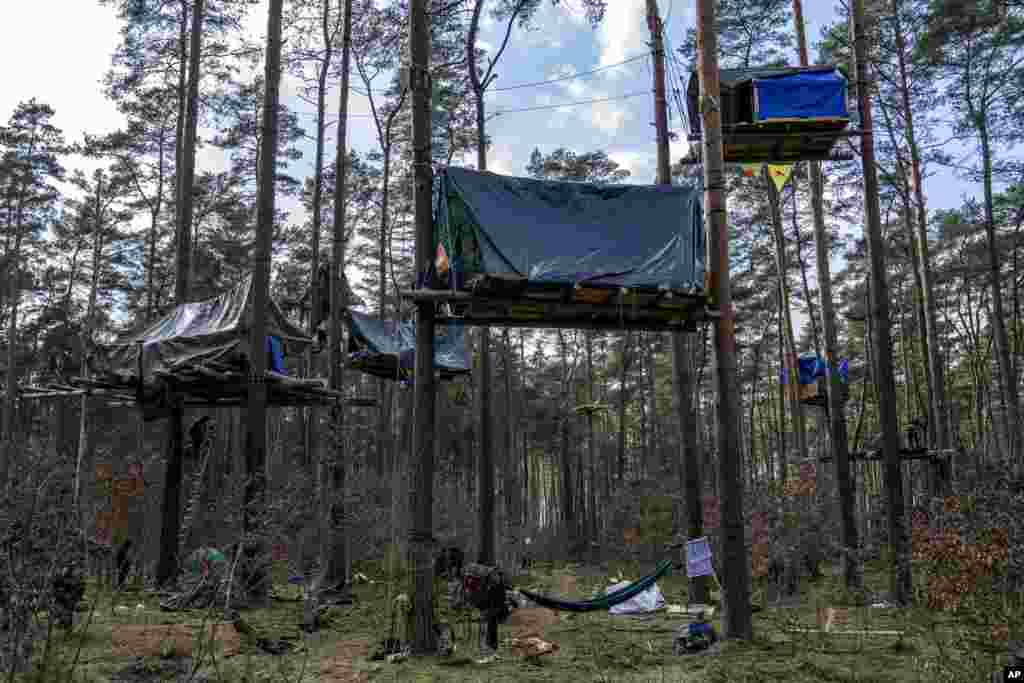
(580, 74)
(572, 104)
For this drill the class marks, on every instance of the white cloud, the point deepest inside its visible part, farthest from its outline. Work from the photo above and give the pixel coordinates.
(634, 162)
(623, 33)
(60, 62)
(608, 116)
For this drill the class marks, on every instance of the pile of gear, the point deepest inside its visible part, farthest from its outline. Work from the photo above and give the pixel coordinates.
(695, 637)
(209, 578)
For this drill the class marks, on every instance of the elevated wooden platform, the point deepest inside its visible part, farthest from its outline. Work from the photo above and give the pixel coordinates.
(198, 385)
(580, 307)
(778, 142)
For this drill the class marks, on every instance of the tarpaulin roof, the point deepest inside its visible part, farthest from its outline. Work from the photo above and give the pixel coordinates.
(386, 348)
(565, 233)
(730, 78)
(805, 95)
(213, 330)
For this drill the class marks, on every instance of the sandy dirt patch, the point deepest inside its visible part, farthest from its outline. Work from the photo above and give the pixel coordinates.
(339, 663)
(179, 640)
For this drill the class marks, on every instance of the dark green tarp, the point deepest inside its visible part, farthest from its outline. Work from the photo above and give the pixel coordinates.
(215, 330)
(565, 233)
(387, 349)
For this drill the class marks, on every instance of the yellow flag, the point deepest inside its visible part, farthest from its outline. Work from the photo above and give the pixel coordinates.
(779, 173)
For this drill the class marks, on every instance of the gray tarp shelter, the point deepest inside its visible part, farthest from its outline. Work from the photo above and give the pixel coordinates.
(565, 252)
(386, 348)
(201, 351)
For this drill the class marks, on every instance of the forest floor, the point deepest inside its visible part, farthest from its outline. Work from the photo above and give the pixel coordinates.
(127, 639)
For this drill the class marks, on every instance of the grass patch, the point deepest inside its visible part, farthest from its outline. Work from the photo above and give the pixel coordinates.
(592, 647)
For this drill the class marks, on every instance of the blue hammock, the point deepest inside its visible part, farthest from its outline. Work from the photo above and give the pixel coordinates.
(605, 601)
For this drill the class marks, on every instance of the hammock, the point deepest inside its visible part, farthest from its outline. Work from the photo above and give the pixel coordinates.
(605, 601)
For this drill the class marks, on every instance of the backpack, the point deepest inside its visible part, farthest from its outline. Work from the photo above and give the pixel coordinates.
(484, 586)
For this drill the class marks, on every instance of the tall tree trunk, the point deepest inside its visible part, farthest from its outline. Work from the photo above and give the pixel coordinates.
(171, 504)
(664, 177)
(513, 515)
(624, 357)
(792, 369)
(812, 316)
(1007, 379)
(845, 483)
(334, 540)
(422, 508)
(591, 526)
(11, 388)
(736, 621)
(690, 457)
(312, 414)
(256, 416)
(568, 507)
(156, 208)
(898, 540)
(486, 471)
(87, 331)
(384, 388)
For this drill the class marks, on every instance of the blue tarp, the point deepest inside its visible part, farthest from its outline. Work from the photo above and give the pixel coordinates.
(820, 94)
(387, 349)
(811, 367)
(564, 233)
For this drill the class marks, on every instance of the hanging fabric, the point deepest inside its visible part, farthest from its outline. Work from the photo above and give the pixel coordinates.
(779, 173)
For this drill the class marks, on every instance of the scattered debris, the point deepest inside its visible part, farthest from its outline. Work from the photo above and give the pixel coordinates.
(691, 611)
(445, 644)
(143, 670)
(388, 648)
(533, 646)
(275, 647)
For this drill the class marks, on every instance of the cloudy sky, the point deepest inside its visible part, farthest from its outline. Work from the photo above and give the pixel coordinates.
(63, 61)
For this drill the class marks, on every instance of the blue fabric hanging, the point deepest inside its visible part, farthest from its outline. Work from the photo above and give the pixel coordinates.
(276, 354)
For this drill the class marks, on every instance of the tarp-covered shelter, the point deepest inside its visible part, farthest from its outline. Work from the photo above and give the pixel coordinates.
(387, 348)
(201, 351)
(526, 252)
(777, 115)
